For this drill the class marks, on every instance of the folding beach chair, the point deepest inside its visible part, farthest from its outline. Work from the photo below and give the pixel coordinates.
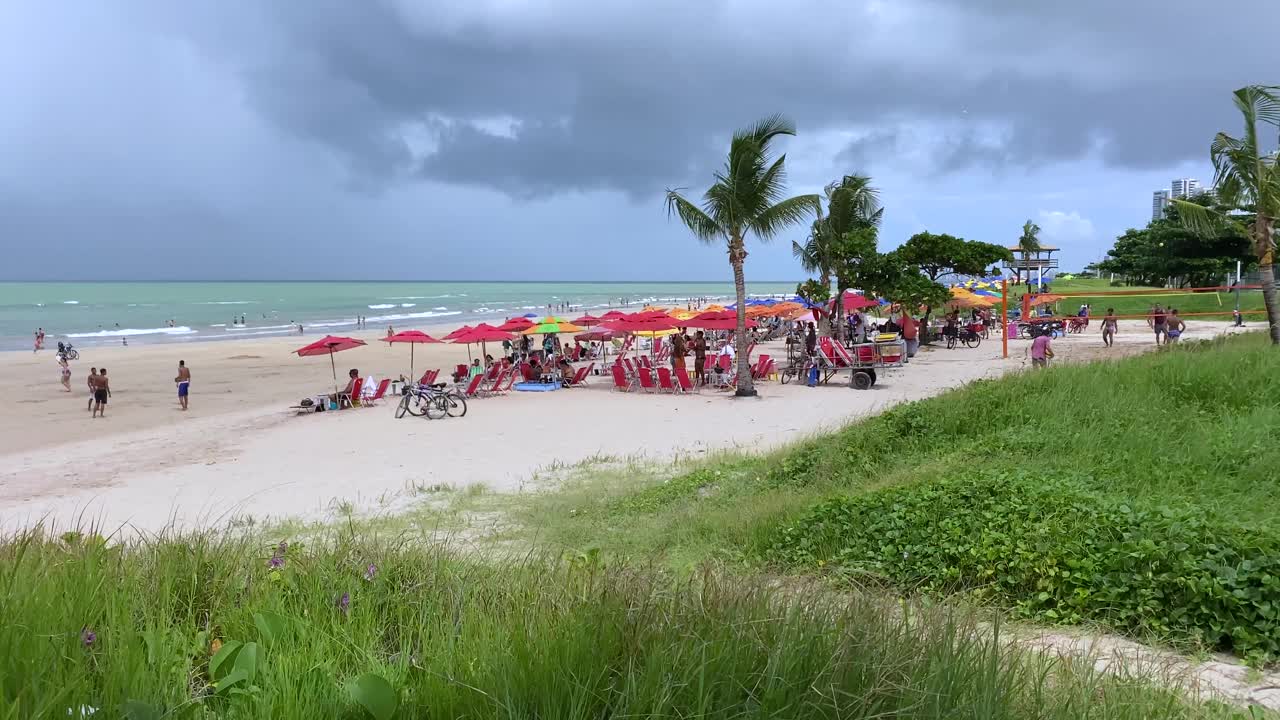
(664, 380)
(377, 395)
(494, 388)
(685, 382)
(621, 380)
(473, 388)
(353, 398)
(646, 380)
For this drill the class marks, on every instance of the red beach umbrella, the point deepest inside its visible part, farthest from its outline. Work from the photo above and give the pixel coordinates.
(414, 337)
(482, 333)
(328, 345)
(456, 333)
(516, 324)
(613, 315)
(727, 320)
(854, 301)
(594, 336)
(587, 321)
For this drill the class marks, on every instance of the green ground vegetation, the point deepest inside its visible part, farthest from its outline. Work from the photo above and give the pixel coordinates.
(358, 627)
(1140, 494)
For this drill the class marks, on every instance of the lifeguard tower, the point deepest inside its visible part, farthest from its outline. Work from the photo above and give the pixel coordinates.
(1027, 264)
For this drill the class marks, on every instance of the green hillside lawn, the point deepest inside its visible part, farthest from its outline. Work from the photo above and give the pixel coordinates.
(1215, 302)
(1167, 459)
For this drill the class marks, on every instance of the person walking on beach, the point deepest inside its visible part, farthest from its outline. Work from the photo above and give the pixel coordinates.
(65, 372)
(183, 381)
(92, 382)
(1109, 327)
(910, 334)
(811, 340)
(101, 393)
(678, 350)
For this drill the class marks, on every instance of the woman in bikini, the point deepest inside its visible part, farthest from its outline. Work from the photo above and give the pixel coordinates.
(1109, 327)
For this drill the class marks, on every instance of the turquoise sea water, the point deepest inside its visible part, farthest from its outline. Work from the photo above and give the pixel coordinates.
(102, 313)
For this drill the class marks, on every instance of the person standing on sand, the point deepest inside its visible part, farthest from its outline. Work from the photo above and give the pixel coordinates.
(1109, 327)
(700, 358)
(1041, 351)
(101, 393)
(183, 381)
(1174, 327)
(93, 384)
(1159, 323)
(910, 334)
(678, 350)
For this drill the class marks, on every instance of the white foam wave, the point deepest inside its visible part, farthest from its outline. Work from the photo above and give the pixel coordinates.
(382, 306)
(434, 308)
(419, 297)
(263, 327)
(128, 332)
(253, 333)
(409, 305)
(222, 325)
(229, 302)
(70, 302)
(412, 316)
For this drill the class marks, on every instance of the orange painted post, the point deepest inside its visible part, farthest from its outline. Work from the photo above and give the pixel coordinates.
(1004, 316)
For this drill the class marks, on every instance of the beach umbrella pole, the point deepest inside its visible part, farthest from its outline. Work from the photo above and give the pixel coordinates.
(334, 368)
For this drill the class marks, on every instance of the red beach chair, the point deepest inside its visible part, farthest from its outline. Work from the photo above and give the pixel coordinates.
(473, 387)
(664, 380)
(621, 381)
(646, 379)
(377, 395)
(686, 384)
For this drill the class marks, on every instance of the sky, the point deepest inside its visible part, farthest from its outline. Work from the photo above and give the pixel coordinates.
(523, 140)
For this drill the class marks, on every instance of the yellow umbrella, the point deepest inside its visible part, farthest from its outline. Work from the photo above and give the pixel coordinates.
(713, 308)
(651, 308)
(681, 314)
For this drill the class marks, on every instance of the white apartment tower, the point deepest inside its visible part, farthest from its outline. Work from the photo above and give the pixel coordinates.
(1159, 201)
(1185, 187)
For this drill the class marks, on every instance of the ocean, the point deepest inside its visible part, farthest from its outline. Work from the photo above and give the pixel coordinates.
(89, 314)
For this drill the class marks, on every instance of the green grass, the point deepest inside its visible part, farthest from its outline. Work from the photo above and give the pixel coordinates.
(356, 627)
(1191, 431)
(1210, 302)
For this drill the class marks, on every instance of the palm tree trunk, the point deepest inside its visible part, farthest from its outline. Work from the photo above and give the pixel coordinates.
(1264, 238)
(737, 254)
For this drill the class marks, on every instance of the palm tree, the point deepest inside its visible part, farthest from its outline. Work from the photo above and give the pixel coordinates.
(745, 198)
(851, 203)
(1245, 179)
(1028, 243)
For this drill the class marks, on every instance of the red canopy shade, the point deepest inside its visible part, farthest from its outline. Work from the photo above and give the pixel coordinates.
(516, 324)
(854, 301)
(410, 336)
(653, 315)
(483, 333)
(613, 315)
(459, 331)
(632, 325)
(587, 321)
(329, 344)
(727, 320)
(594, 336)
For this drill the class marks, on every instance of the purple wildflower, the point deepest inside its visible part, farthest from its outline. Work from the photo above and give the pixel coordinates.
(276, 562)
(371, 572)
(344, 603)
(87, 636)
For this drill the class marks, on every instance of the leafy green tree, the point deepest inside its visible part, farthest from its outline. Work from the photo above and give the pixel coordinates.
(940, 255)
(1168, 249)
(889, 275)
(747, 197)
(852, 203)
(814, 291)
(1246, 179)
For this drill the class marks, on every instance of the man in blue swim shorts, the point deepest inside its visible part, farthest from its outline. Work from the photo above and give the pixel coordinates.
(184, 383)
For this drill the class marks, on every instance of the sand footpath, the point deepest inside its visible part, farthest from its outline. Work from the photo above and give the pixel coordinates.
(239, 452)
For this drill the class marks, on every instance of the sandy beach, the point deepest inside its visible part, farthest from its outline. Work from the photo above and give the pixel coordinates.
(239, 452)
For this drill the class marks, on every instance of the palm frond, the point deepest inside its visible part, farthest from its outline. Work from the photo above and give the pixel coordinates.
(1198, 218)
(766, 129)
(699, 223)
(1261, 102)
(792, 210)
(773, 182)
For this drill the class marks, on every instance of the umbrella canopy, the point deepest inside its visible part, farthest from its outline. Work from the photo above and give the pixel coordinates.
(660, 315)
(856, 301)
(460, 331)
(483, 333)
(415, 338)
(783, 308)
(682, 314)
(551, 326)
(723, 320)
(594, 336)
(530, 315)
(613, 315)
(328, 345)
(641, 326)
(515, 324)
(586, 321)
(1045, 299)
(713, 308)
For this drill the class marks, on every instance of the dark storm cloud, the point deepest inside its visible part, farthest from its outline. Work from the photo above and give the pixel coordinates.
(632, 96)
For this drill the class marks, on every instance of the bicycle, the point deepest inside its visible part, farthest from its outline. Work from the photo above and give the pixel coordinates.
(967, 335)
(433, 401)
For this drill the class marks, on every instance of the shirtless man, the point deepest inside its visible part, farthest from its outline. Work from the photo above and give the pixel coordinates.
(92, 382)
(184, 383)
(1109, 327)
(101, 391)
(1174, 327)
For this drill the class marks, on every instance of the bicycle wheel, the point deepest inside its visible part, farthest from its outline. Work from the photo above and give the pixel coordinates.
(951, 342)
(416, 404)
(973, 340)
(787, 375)
(436, 407)
(402, 407)
(455, 405)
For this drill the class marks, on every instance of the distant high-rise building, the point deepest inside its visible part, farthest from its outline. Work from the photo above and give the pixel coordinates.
(1159, 201)
(1185, 187)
